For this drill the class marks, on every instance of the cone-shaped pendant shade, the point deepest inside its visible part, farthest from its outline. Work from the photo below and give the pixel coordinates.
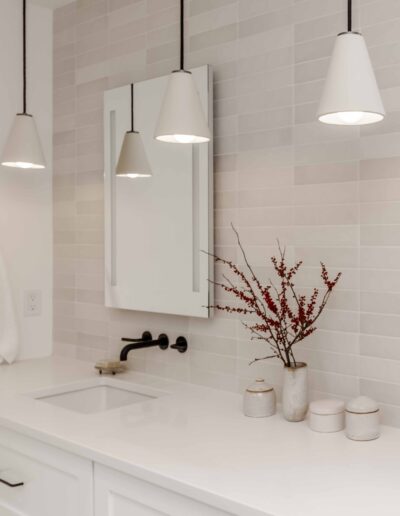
(23, 148)
(351, 95)
(132, 161)
(182, 118)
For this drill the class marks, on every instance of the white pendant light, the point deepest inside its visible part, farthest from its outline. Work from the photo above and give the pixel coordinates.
(132, 160)
(23, 148)
(351, 94)
(182, 118)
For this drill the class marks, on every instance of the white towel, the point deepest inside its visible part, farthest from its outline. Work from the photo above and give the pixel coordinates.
(9, 339)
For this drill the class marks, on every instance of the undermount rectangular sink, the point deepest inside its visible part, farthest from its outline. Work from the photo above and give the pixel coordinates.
(97, 395)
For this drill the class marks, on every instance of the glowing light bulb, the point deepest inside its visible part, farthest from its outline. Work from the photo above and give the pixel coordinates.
(185, 138)
(351, 117)
(21, 164)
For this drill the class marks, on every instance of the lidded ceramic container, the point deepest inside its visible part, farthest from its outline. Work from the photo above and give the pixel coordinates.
(259, 400)
(326, 415)
(362, 419)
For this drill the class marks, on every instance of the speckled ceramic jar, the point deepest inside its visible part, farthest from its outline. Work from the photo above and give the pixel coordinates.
(259, 400)
(326, 415)
(295, 392)
(362, 419)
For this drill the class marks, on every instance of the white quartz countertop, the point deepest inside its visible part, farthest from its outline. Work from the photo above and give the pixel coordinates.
(196, 441)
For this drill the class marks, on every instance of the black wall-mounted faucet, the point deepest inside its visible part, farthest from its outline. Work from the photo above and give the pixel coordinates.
(181, 345)
(145, 342)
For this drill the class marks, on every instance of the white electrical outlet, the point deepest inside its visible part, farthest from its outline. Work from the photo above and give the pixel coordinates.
(33, 303)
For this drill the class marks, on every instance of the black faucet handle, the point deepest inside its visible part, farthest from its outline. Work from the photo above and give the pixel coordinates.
(163, 341)
(181, 345)
(146, 335)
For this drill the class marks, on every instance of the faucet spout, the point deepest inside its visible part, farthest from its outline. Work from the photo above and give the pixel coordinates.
(162, 342)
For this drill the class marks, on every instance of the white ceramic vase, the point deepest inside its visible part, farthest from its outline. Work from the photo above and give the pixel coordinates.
(295, 392)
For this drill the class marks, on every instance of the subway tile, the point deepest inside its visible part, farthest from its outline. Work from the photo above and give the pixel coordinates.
(279, 174)
(309, 9)
(380, 168)
(380, 190)
(212, 19)
(264, 81)
(326, 215)
(201, 6)
(326, 193)
(378, 12)
(315, 49)
(380, 235)
(335, 384)
(380, 258)
(318, 27)
(253, 8)
(377, 346)
(328, 173)
(274, 39)
(381, 33)
(265, 22)
(213, 37)
(308, 92)
(271, 176)
(265, 61)
(311, 70)
(260, 102)
(380, 302)
(337, 257)
(265, 139)
(315, 132)
(380, 213)
(380, 280)
(380, 146)
(327, 152)
(381, 391)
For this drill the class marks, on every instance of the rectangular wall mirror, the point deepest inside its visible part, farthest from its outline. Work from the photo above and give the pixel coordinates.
(156, 228)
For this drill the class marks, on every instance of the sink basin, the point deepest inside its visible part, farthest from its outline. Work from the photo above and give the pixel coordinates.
(97, 395)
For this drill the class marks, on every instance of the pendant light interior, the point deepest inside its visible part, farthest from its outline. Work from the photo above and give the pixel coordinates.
(133, 162)
(351, 94)
(351, 118)
(23, 148)
(182, 118)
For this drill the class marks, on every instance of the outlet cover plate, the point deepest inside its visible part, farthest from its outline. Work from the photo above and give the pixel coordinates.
(33, 303)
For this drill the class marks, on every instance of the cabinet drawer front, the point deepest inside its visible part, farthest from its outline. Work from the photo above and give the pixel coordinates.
(55, 483)
(117, 494)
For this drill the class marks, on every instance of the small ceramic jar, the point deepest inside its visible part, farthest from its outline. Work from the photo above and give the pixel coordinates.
(362, 419)
(259, 400)
(326, 415)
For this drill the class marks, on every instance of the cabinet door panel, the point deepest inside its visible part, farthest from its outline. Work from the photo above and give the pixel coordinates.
(117, 494)
(122, 506)
(55, 483)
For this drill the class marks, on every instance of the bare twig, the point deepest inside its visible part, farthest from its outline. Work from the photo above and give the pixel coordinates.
(279, 324)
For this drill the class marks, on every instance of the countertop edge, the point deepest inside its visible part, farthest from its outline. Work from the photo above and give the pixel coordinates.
(172, 484)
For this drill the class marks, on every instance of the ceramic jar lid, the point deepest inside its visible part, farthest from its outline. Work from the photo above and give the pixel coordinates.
(362, 405)
(259, 386)
(327, 407)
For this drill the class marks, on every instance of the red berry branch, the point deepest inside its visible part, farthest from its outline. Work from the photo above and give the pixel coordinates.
(282, 316)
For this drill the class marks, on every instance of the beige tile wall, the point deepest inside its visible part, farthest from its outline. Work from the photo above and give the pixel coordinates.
(328, 193)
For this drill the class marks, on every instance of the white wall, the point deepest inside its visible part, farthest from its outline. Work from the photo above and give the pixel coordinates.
(26, 196)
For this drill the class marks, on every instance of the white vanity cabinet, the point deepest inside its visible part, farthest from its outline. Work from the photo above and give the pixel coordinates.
(117, 494)
(55, 483)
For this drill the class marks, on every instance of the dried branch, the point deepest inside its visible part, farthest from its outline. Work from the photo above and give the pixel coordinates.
(279, 324)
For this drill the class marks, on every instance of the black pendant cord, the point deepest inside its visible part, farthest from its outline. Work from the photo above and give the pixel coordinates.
(24, 54)
(132, 108)
(349, 16)
(182, 35)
